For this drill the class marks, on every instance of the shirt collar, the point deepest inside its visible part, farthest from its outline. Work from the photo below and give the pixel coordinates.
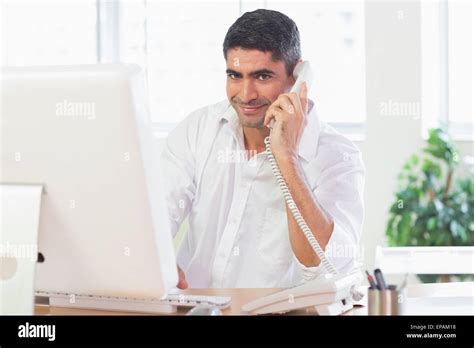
(309, 139)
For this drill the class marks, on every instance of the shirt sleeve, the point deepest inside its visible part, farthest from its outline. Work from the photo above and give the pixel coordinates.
(178, 158)
(339, 191)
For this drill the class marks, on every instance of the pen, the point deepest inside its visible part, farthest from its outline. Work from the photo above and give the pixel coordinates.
(371, 281)
(380, 281)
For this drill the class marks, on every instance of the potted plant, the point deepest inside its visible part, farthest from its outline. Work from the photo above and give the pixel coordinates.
(433, 207)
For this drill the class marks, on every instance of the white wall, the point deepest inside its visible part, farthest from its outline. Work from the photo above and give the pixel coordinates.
(393, 73)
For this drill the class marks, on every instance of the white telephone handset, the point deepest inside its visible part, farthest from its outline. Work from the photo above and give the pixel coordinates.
(301, 73)
(330, 293)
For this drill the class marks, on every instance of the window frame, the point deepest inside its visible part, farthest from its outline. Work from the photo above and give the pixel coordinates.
(459, 131)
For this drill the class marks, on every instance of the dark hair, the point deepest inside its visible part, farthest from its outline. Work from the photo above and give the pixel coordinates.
(266, 30)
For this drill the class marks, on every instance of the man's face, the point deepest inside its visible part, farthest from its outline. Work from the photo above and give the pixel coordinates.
(254, 82)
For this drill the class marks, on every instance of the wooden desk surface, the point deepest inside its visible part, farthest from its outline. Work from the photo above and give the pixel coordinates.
(239, 298)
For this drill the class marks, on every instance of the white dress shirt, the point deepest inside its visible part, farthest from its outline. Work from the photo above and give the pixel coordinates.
(238, 230)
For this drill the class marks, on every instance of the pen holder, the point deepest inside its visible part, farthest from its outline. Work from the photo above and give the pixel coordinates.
(385, 302)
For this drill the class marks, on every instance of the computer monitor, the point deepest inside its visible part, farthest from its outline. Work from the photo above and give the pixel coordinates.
(83, 133)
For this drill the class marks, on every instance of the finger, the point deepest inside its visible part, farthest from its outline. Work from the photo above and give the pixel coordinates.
(295, 99)
(304, 97)
(273, 112)
(302, 108)
(285, 103)
(182, 283)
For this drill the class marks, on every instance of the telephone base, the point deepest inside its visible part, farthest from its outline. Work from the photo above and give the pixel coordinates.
(328, 294)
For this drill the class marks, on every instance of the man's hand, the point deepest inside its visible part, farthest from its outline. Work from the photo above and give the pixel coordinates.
(289, 112)
(182, 283)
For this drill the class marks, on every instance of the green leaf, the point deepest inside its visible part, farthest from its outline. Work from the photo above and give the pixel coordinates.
(390, 230)
(457, 230)
(415, 159)
(432, 223)
(404, 229)
(438, 205)
(471, 188)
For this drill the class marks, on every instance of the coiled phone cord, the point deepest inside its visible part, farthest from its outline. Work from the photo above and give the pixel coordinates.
(299, 218)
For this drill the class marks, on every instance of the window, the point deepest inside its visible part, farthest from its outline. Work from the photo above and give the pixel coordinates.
(332, 35)
(332, 39)
(48, 32)
(179, 43)
(447, 39)
(460, 74)
(183, 53)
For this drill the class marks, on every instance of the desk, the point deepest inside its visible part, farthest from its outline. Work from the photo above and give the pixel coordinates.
(239, 298)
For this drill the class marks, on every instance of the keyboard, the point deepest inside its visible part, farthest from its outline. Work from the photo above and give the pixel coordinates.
(193, 300)
(166, 304)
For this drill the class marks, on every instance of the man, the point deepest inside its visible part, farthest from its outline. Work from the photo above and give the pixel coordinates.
(241, 234)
